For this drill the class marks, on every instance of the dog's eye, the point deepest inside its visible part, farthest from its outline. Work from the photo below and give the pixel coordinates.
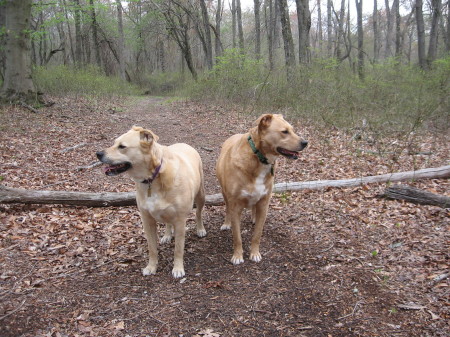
(122, 147)
(285, 132)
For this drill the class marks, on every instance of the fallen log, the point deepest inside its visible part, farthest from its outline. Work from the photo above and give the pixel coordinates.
(10, 195)
(416, 195)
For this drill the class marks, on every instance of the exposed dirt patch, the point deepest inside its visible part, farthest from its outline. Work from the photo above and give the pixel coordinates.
(336, 262)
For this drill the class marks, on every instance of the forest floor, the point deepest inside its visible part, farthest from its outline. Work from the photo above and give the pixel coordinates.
(336, 262)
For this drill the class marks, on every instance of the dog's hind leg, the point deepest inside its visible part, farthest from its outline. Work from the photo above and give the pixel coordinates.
(167, 234)
(199, 203)
(260, 219)
(150, 229)
(227, 223)
(178, 264)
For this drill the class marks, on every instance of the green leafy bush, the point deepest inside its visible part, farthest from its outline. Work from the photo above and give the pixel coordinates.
(62, 80)
(235, 77)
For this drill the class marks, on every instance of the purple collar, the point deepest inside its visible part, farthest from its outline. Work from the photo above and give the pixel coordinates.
(154, 175)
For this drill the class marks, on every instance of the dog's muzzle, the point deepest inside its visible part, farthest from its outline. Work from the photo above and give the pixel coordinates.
(112, 169)
(292, 154)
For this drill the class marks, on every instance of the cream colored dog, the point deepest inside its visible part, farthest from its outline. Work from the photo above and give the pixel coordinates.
(245, 169)
(169, 179)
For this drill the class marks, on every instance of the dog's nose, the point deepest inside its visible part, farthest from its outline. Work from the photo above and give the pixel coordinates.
(100, 155)
(303, 144)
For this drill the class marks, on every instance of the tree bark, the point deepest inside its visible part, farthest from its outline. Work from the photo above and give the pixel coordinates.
(208, 41)
(375, 31)
(436, 15)
(257, 5)
(417, 196)
(10, 195)
(78, 41)
(18, 84)
(329, 29)
(287, 38)
(304, 26)
(94, 23)
(420, 34)
(270, 29)
(121, 41)
(239, 25)
(398, 42)
(217, 42)
(360, 39)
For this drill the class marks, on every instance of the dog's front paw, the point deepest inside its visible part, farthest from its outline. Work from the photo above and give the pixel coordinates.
(237, 260)
(201, 232)
(149, 270)
(178, 272)
(225, 227)
(255, 257)
(165, 239)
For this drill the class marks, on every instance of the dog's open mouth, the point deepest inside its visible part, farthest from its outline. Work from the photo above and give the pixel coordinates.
(287, 153)
(113, 170)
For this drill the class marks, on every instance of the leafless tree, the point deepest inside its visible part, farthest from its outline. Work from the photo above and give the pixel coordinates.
(304, 26)
(18, 84)
(420, 34)
(287, 38)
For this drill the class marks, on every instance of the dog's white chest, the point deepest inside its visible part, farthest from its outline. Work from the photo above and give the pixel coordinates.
(157, 207)
(259, 189)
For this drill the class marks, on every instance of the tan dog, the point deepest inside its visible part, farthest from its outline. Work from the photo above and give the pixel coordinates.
(245, 169)
(169, 179)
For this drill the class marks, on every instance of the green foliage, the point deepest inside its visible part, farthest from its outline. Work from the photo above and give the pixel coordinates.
(62, 80)
(235, 77)
(394, 99)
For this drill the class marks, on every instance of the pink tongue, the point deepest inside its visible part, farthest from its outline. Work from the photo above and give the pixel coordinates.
(106, 169)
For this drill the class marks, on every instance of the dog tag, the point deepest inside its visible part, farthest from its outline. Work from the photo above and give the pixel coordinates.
(149, 192)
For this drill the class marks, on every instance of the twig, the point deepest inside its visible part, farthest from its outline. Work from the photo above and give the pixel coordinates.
(73, 147)
(9, 247)
(15, 310)
(29, 107)
(94, 164)
(206, 149)
(353, 312)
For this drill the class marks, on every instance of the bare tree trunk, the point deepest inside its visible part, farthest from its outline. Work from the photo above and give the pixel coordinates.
(217, 43)
(239, 24)
(17, 195)
(257, 5)
(375, 31)
(98, 60)
(2, 39)
(398, 44)
(417, 196)
(78, 42)
(436, 16)
(420, 34)
(208, 43)
(340, 38)
(447, 39)
(18, 84)
(233, 21)
(387, 50)
(287, 38)
(319, 26)
(360, 39)
(304, 26)
(270, 29)
(121, 41)
(329, 29)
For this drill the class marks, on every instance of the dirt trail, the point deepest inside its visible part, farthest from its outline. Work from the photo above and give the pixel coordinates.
(336, 262)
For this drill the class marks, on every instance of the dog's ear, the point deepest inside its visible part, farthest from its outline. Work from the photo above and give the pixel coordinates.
(264, 121)
(147, 137)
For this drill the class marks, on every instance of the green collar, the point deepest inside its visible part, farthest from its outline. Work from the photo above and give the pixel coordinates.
(258, 153)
